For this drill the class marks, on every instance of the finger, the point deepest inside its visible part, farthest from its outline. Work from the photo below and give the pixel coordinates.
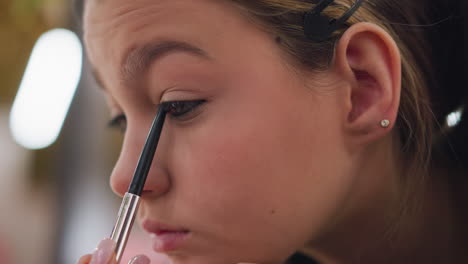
(85, 259)
(104, 253)
(140, 259)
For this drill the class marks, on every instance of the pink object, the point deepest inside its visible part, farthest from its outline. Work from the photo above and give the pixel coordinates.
(140, 243)
(165, 238)
(168, 241)
(104, 251)
(5, 253)
(141, 259)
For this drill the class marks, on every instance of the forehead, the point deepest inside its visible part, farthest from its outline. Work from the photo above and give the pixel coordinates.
(112, 28)
(120, 21)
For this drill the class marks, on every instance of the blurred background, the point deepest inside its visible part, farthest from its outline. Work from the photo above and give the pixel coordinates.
(56, 203)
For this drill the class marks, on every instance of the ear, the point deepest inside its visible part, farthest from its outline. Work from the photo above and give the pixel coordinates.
(369, 60)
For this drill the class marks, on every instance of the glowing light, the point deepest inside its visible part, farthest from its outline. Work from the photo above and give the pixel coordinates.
(47, 89)
(454, 118)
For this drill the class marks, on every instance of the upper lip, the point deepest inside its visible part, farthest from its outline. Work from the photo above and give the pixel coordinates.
(160, 228)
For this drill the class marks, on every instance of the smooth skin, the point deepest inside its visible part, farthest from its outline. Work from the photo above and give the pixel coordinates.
(277, 159)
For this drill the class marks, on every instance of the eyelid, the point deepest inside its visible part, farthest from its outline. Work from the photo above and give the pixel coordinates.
(116, 122)
(193, 108)
(176, 93)
(167, 104)
(115, 119)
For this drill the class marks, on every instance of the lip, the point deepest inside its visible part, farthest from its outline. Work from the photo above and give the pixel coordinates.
(165, 238)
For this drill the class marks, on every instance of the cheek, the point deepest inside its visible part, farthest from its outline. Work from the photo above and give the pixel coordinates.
(271, 170)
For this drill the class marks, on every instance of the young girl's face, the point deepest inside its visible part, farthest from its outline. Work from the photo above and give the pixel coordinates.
(252, 164)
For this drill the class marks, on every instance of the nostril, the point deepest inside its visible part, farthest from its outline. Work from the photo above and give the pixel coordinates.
(157, 184)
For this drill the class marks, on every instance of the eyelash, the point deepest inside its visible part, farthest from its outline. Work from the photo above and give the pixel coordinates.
(119, 122)
(179, 109)
(176, 109)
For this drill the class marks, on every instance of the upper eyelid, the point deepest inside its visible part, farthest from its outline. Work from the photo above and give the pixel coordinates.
(114, 120)
(184, 92)
(114, 108)
(117, 118)
(185, 115)
(167, 103)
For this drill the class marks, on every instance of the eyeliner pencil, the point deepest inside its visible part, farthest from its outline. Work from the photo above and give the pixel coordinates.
(131, 199)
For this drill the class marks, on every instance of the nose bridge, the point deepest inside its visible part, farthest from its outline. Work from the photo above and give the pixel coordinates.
(157, 181)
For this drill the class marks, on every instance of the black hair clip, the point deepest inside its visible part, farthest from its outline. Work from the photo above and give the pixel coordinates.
(318, 27)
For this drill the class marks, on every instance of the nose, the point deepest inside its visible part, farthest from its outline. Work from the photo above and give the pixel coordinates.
(157, 182)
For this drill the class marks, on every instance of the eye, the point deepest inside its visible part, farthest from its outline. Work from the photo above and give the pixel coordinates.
(181, 109)
(119, 122)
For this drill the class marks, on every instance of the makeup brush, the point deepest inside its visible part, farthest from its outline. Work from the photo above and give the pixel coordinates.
(131, 199)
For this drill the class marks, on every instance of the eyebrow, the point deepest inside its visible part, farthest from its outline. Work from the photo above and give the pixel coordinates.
(137, 60)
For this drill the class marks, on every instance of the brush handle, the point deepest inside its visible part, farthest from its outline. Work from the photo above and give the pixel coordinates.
(124, 223)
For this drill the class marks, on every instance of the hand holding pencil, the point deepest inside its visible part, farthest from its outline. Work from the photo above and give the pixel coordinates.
(110, 250)
(105, 254)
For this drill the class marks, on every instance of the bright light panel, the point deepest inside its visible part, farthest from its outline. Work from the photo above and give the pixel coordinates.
(47, 89)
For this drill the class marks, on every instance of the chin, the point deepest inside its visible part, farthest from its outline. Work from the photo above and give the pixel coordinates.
(219, 258)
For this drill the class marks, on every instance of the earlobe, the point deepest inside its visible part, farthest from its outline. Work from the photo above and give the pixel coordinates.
(369, 60)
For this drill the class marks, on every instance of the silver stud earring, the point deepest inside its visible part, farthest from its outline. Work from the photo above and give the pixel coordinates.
(385, 123)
